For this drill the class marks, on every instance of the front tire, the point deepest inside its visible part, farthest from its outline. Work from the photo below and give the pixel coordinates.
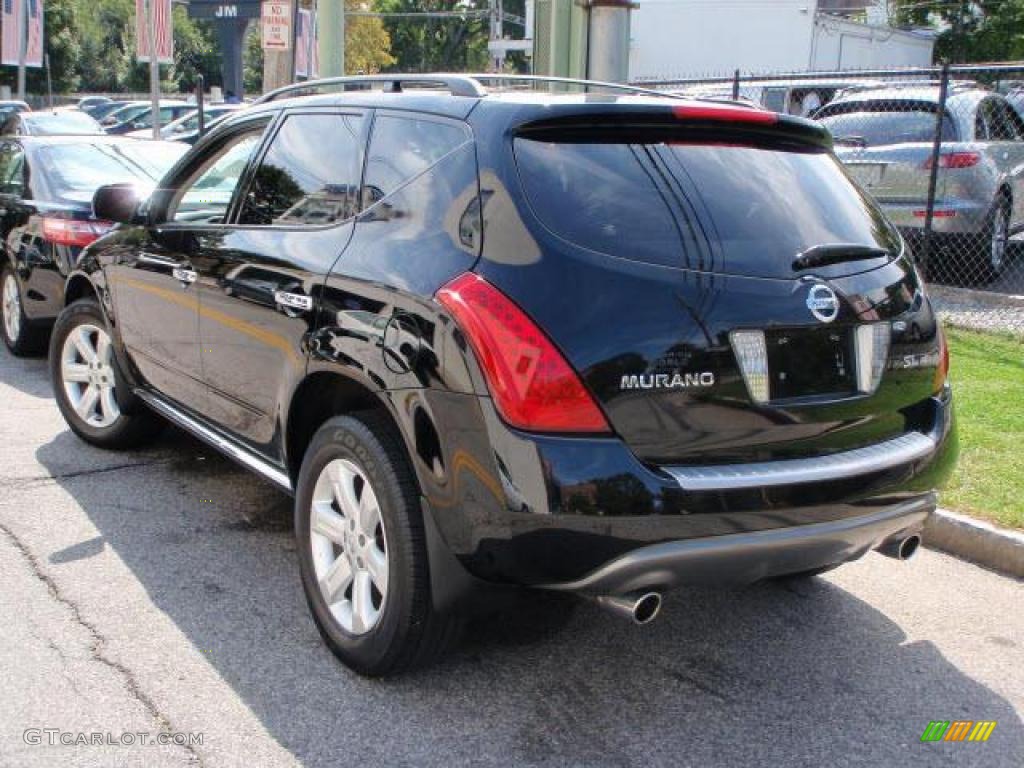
(362, 551)
(91, 391)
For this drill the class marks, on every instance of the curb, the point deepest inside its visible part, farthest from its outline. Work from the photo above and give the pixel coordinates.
(983, 543)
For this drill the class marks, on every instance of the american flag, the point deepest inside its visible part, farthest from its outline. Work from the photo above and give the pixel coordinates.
(34, 51)
(11, 21)
(305, 45)
(163, 25)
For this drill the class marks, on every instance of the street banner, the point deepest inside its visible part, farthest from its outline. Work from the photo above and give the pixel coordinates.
(34, 49)
(11, 20)
(276, 26)
(306, 59)
(164, 31)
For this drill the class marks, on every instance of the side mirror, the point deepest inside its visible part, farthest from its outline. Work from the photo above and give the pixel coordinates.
(116, 202)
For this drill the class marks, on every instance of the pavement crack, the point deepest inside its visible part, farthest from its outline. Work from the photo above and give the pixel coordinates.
(37, 480)
(97, 643)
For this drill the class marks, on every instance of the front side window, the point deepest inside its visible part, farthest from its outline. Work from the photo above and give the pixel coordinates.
(309, 175)
(206, 194)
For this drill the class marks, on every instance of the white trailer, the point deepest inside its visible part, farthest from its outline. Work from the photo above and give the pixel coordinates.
(695, 38)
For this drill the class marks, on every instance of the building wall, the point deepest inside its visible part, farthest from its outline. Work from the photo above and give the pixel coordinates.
(841, 44)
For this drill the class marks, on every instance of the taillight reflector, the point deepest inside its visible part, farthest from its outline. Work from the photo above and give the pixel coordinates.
(73, 232)
(956, 160)
(533, 386)
(725, 114)
(942, 370)
(936, 214)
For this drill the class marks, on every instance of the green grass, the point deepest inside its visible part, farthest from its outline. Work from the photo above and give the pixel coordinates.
(987, 371)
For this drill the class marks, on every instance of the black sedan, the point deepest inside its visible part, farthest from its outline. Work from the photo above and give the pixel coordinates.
(46, 188)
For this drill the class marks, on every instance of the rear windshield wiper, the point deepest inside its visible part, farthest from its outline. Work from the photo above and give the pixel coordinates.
(836, 253)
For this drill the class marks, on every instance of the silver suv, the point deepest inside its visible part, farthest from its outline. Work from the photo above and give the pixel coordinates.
(885, 136)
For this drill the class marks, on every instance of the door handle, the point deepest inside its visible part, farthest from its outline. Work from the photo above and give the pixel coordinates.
(293, 302)
(185, 276)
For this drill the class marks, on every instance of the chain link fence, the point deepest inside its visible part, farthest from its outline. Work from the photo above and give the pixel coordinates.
(940, 149)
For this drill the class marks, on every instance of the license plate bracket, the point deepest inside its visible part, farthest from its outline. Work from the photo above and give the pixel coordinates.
(810, 362)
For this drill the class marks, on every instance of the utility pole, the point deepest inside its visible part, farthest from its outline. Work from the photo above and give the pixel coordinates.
(608, 44)
(22, 46)
(154, 67)
(330, 25)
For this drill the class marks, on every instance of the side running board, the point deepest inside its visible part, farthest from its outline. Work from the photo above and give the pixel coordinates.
(228, 447)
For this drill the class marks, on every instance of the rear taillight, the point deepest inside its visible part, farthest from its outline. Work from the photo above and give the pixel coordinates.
(724, 113)
(74, 232)
(942, 370)
(533, 386)
(956, 160)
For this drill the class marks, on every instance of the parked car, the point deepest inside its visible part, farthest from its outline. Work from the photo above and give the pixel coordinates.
(14, 105)
(100, 111)
(144, 118)
(688, 350)
(88, 102)
(49, 123)
(793, 97)
(186, 127)
(46, 188)
(885, 137)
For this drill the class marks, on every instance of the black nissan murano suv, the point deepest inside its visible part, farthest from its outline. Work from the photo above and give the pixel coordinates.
(605, 343)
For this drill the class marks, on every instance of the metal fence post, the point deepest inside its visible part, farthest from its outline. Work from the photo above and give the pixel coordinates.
(933, 176)
(736, 86)
(200, 87)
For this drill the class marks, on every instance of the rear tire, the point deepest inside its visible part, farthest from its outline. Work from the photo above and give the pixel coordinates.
(20, 336)
(991, 248)
(91, 390)
(362, 550)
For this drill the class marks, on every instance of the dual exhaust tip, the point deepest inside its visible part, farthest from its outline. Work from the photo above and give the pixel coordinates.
(639, 607)
(643, 607)
(901, 548)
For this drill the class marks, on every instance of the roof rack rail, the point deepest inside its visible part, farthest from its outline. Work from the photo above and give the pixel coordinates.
(457, 84)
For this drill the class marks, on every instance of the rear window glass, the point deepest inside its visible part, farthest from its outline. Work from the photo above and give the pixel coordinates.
(56, 123)
(879, 128)
(739, 209)
(86, 167)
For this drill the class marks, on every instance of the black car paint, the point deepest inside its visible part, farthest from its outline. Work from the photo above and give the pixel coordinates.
(42, 267)
(510, 506)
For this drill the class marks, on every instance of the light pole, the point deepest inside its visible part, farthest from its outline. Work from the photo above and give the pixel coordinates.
(154, 68)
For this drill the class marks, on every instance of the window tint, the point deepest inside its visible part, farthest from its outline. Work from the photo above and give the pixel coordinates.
(310, 174)
(736, 209)
(995, 116)
(206, 195)
(402, 148)
(12, 167)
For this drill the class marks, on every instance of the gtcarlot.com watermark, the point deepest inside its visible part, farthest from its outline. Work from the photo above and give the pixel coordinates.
(55, 737)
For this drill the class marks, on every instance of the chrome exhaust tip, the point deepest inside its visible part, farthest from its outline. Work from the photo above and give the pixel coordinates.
(640, 608)
(901, 548)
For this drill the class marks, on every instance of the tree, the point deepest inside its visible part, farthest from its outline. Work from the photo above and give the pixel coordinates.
(984, 30)
(367, 42)
(424, 44)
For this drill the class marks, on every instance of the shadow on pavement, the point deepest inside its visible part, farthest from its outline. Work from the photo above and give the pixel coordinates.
(798, 674)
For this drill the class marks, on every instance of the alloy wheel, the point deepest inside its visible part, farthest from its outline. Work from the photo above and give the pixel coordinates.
(11, 308)
(87, 373)
(1000, 238)
(349, 546)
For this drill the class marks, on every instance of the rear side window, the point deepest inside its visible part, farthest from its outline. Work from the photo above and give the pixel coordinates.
(310, 173)
(737, 209)
(402, 148)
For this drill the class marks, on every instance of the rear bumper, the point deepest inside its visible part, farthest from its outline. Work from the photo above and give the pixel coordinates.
(952, 216)
(586, 515)
(744, 558)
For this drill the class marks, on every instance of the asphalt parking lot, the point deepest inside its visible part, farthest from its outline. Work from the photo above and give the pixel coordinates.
(157, 591)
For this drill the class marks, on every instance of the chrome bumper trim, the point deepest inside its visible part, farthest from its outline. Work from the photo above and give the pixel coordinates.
(859, 461)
